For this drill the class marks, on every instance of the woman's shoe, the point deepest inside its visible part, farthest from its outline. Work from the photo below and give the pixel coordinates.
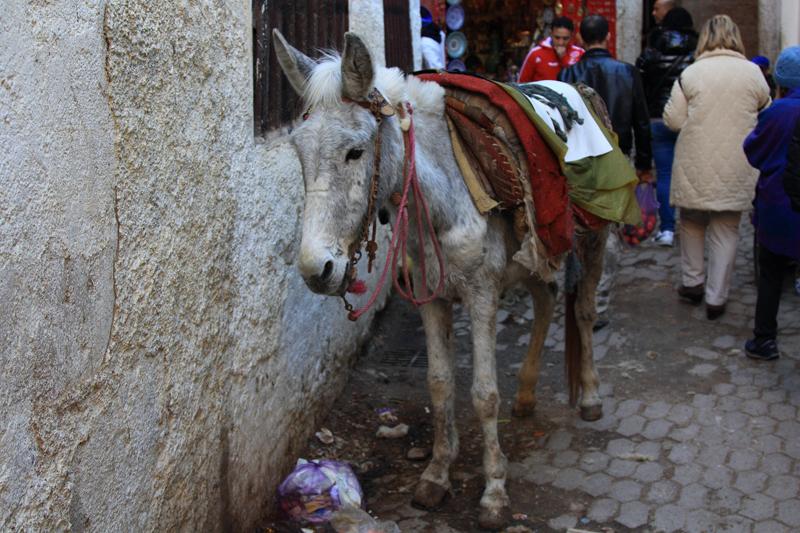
(713, 312)
(693, 295)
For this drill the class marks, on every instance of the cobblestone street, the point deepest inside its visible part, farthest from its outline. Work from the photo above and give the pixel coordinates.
(695, 437)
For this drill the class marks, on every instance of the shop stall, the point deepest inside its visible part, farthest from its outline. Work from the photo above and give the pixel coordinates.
(492, 37)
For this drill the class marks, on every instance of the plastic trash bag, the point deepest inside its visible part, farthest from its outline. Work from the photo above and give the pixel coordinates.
(646, 196)
(317, 489)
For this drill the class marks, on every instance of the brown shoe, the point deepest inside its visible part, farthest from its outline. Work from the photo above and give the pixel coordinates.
(693, 295)
(713, 312)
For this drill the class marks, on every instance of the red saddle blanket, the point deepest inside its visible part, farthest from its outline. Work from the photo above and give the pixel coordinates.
(499, 170)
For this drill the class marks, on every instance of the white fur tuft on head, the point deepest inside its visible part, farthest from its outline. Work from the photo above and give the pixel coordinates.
(324, 87)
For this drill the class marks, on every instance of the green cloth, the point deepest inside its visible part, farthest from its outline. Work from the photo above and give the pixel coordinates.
(604, 185)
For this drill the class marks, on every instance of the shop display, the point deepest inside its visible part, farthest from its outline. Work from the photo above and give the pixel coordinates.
(456, 65)
(499, 33)
(455, 17)
(456, 44)
(577, 9)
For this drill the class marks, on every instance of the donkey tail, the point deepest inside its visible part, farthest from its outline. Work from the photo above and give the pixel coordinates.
(572, 348)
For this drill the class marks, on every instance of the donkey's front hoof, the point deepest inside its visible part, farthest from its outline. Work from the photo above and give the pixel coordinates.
(494, 519)
(523, 409)
(429, 496)
(590, 413)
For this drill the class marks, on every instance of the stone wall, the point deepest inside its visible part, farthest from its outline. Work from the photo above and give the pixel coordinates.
(629, 30)
(769, 28)
(161, 360)
(743, 12)
(790, 23)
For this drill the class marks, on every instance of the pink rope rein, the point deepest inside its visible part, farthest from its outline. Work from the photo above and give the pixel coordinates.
(400, 236)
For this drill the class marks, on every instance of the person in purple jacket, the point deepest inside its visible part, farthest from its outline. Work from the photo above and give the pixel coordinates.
(777, 225)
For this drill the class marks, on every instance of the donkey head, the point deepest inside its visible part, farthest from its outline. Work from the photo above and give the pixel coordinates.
(335, 145)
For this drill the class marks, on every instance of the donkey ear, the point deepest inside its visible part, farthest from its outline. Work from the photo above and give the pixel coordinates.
(357, 69)
(295, 64)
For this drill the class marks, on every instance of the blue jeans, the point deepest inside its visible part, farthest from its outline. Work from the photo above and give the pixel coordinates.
(663, 154)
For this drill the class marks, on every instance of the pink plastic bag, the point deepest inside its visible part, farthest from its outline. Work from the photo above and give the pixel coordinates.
(646, 196)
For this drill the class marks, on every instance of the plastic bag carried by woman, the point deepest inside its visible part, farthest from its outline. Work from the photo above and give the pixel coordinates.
(646, 196)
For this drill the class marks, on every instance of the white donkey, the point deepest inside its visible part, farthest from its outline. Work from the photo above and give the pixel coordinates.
(336, 145)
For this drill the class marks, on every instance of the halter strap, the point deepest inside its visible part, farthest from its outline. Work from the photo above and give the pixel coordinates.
(379, 107)
(397, 247)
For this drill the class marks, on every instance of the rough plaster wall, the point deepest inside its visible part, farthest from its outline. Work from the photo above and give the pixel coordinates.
(743, 12)
(57, 244)
(790, 23)
(629, 30)
(416, 32)
(366, 19)
(161, 358)
(769, 28)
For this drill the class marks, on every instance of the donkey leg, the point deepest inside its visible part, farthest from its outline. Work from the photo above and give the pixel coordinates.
(437, 317)
(486, 401)
(590, 249)
(544, 303)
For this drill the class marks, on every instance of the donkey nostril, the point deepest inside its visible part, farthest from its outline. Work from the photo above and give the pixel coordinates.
(326, 271)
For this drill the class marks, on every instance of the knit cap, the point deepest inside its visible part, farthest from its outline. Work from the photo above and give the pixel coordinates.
(787, 68)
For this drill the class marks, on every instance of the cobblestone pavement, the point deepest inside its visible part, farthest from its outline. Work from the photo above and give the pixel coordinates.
(695, 437)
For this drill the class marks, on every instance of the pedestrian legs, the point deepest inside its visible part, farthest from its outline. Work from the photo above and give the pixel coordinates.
(723, 236)
(693, 235)
(771, 269)
(663, 154)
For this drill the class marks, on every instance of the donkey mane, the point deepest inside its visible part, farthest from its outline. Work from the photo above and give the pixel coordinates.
(324, 87)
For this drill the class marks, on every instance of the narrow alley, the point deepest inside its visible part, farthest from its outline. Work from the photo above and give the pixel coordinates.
(695, 437)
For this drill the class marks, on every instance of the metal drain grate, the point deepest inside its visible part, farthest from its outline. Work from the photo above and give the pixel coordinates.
(405, 358)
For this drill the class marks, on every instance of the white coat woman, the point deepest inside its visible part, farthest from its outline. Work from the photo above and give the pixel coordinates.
(714, 105)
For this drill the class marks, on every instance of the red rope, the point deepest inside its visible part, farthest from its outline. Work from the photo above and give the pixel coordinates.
(400, 236)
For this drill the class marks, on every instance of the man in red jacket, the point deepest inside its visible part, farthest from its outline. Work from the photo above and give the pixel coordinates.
(545, 61)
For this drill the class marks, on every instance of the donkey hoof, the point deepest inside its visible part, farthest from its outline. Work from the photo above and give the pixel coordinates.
(590, 413)
(494, 519)
(523, 409)
(428, 495)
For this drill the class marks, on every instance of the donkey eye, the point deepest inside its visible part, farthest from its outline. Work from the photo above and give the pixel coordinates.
(355, 153)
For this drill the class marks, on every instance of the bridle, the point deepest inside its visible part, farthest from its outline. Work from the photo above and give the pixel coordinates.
(380, 108)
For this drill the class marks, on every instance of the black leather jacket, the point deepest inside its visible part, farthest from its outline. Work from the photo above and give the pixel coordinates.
(620, 85)
(668, 53)
(791, 178)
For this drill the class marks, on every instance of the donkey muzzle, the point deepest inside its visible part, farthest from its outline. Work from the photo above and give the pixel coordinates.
(323, 272)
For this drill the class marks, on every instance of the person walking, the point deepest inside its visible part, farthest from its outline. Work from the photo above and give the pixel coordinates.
(763, 64)
(431, 41)
(545, 61)
(714, 105)
(774, 149)
(791, 178)
(661, 8)
(671, 49)
(619, 84)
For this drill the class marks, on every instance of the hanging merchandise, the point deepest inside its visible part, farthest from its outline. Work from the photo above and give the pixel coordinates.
(548, 15)
(456, 65)
(577, 9)
(455, 17)
(456, 44)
